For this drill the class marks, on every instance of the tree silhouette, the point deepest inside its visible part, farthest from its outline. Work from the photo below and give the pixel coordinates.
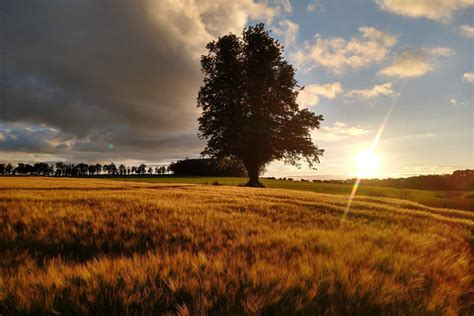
(91, 169)
(82, 169)
(111, 169)
(98, 168)
(122, 170)
(8, 168)
(141, 169)
(248, 101)
(42, 168)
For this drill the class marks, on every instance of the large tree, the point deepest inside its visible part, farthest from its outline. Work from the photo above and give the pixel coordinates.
(248, 102)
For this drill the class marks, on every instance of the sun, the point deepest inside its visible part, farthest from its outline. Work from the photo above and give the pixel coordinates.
(367, 163)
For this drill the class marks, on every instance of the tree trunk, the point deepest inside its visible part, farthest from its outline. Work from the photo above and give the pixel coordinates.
(252, 172)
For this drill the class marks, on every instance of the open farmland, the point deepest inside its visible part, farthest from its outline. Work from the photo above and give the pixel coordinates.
(74, 246)
(463, 200)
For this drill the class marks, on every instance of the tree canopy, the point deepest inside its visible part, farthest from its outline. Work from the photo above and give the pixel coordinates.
(249, 108)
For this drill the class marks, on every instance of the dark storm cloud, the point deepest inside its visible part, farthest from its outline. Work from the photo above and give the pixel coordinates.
(30, 139)
(100, 71)
(111, 77)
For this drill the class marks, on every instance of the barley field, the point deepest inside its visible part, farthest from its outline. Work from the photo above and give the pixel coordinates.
(88, 246)
(463, 200)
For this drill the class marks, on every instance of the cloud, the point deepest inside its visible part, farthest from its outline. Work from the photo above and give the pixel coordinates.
(455, 102)
(438, 51)
(413, 63)
(288, 30)
(337, 54)
(377, 90)
(313, 6)
(338, 131)
(438, 10)
(311, 93)
(126, 75)
(468, 77)
(28, 138)
(466, 31)
(282, 5)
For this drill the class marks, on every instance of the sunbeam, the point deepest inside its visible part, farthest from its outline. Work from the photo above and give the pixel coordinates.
(370, 154)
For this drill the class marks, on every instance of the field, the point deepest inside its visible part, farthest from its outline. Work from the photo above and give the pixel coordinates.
(445, 199)
(75, 246)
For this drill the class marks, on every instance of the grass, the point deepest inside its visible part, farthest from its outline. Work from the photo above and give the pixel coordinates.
(445, 199)
(88, 246)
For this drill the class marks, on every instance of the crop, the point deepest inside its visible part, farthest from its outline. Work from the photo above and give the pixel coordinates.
(83, 246)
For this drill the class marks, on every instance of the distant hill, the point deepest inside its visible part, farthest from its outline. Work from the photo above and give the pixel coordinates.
(459, 180)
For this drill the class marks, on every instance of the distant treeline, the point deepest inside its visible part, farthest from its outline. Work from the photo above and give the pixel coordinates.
(62, 169)
(208, 167)
(459, 180)
(187, 167)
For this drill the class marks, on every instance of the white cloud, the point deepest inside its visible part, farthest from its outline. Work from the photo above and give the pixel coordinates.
(468, 76)
(195, 23)
(377, 90)
(338, 131)
(438, 51)
(466, 31)
(438, 10)
(413, 63)
(288, 30)
(455, 102)
(337, 54)
(313, 6)
(311, 93)
(283, 5)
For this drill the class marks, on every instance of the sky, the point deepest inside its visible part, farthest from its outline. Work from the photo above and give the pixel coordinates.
(101, 81)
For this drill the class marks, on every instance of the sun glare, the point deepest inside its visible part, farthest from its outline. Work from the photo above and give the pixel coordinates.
(367, 163)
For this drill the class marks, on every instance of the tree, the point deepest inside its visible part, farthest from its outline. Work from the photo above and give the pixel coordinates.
(8, 168)
(82, 169)
(91, 169)
(141, 169)
(111, 169)
(98, 168)
(248, 102)
(208, 167)
(122, 170)
(60, 169)
(42, 168)
(160, 169)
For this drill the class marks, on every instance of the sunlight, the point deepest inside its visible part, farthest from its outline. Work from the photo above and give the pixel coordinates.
(367, 163)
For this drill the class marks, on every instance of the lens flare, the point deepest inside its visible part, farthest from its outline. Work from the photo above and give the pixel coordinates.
(371, 155)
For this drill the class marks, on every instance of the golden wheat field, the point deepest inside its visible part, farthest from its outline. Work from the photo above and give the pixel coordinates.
(81, 246)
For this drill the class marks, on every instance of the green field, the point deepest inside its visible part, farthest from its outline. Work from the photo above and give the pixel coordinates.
(445, 199)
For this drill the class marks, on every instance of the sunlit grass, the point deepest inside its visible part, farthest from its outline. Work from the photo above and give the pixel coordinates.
(74, 246)
(446, 199)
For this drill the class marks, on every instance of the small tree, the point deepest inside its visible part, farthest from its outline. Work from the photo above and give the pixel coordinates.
(8, 168)
(248, 102)
(141, 169)
(122, 170)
